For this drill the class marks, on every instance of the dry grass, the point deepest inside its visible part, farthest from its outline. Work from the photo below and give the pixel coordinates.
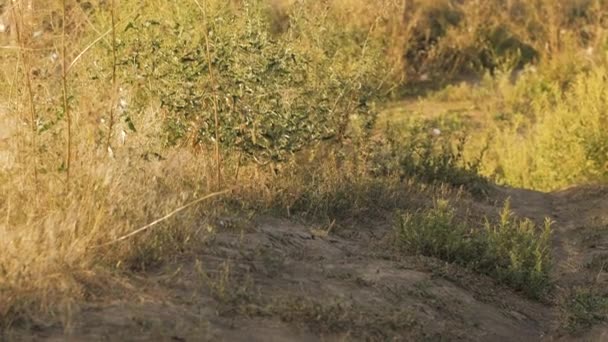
(49, 239)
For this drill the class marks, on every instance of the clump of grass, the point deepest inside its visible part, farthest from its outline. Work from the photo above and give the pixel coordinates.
(335, 184)
(582, 309)
(512, 251)
(518, 252)
(434, 232)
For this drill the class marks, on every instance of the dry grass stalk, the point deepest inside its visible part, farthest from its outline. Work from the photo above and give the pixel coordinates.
(114, 84)
(64, 84)
(19, 26)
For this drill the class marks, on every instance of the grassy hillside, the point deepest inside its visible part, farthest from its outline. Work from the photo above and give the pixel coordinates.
(129, 129)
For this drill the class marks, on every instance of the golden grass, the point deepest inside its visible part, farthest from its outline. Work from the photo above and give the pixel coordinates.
(50, 234)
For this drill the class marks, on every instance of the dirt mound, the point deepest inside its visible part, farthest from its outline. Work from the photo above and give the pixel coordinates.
(272, 279)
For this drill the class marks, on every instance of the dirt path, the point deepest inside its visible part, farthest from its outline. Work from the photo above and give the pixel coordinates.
(580, 217)
(580, 243)
(277, 280)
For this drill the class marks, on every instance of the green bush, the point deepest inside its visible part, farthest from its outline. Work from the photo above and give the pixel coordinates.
(431, 151)
(274, 92)
(514, 252)
(435, 233)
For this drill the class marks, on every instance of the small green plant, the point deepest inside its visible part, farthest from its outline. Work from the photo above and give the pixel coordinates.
(583, 308)
(514, 252)
(434, 232)
(424, 151)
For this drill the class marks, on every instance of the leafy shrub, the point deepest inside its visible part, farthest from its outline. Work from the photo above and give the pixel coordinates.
(274, 93)
(512, 251)
(516, 252)
(429, 152)
(435, 233)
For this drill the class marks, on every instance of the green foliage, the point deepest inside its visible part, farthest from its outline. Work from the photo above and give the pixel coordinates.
(429, 151)
(561, 140)
(274, 93)
(435, 233)
(512, 251)
(583, 309)
(517, 253)
(541, 131)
